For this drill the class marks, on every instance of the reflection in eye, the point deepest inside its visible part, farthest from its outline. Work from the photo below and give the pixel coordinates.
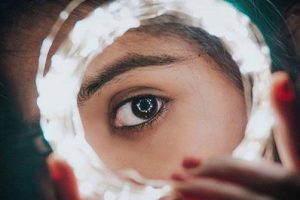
(139, 111)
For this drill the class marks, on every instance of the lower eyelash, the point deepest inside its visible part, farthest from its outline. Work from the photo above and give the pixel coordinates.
(133, 131)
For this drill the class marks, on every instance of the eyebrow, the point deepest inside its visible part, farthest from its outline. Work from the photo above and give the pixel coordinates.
(121, 66)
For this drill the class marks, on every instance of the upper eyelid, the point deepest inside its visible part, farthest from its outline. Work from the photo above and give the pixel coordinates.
(126, 100)
(123, 95)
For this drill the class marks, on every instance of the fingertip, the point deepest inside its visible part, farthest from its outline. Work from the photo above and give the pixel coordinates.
(282, 88)
(286, 129)
(191, 162)
(54, 166)
(63, 179)
(179, 176)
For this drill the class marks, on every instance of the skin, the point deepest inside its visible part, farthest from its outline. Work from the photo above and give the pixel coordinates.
(203, 104)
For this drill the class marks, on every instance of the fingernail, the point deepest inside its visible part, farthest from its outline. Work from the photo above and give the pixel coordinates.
(191, 163)
(179, 176)
(286, 92)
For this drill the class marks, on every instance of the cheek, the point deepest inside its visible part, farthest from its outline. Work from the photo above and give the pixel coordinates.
(96, 127)
(206, 132)
(213, 124)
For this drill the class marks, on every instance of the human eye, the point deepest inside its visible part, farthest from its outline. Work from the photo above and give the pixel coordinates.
(138, 112)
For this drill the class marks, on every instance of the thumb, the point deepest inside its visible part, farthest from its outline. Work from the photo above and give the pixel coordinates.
(63, 178)
(287, 127)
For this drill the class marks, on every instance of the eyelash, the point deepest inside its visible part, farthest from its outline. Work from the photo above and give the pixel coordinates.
(135, 129)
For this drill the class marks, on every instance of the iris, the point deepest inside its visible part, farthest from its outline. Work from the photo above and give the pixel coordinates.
(144, 107)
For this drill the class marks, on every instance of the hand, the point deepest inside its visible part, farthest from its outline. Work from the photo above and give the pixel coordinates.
(63, 178)
(239, 180)
(287, 127)
(229, 179)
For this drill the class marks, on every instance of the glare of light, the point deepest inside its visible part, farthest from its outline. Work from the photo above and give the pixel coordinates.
(151, 193)
(125, 13)
(91, 45)
(52, 131)
(255, 148)
(260, 124)
(114, 6)
(125, 193)
(64, 15)
(108, 195)
(46, 45)
(78, 34)
(69, 65)
(58, 97)
(265, 50)
(86, 189)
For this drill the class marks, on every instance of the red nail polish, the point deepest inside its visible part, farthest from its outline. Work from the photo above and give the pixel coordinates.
(55, 173)
(178, 176)
(191, 163)
(286, 92)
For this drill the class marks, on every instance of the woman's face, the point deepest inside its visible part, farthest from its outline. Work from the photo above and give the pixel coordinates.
(148, 101)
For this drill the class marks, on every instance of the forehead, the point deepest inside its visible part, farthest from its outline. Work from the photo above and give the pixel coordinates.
(134, 42)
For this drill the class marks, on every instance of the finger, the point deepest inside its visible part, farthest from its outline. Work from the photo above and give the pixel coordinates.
(191, 162)
(264, 178)
(287, 128)
(63, 179)
(212, 189)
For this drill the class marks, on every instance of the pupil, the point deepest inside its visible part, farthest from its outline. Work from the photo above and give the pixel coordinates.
(144, 107)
